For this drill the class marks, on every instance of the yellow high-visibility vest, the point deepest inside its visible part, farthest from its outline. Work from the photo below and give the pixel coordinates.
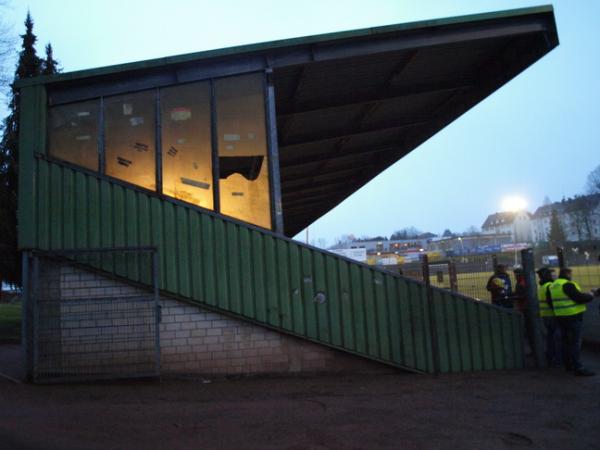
(545, 307)
(563, 306)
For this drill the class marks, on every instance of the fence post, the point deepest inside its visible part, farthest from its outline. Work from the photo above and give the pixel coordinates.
(430, 308)
(157, 305)
(561, 257)
(26, 317)
(453, 276)
(494, 262)
(532, 310)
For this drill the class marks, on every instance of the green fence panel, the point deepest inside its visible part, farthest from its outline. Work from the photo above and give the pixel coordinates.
(297, 309)
(347, 316)
(249, 273)
(285, 289)
(308, 294)
(333, 301)
(475, 335)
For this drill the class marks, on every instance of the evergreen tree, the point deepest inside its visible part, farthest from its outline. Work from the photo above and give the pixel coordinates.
(29, 65)
(49, 65)
(556, 236)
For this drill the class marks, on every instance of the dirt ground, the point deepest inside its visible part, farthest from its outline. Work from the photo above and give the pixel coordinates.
(493, 410)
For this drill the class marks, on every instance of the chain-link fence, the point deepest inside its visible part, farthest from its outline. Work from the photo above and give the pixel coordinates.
(467, 274)
(84, 322)
(583, 259)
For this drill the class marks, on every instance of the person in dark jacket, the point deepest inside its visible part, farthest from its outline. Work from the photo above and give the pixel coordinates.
(568, 303)
(520, 302)
(520, 294)
(500, 287)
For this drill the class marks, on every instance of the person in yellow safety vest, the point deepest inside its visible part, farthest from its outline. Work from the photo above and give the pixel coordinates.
(568, 304)
(553, 339)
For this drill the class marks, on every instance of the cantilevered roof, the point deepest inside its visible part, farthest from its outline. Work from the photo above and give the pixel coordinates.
(350, 104)
(343, 121)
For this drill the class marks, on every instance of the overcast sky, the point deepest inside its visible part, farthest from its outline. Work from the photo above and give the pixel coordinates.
(536, 136)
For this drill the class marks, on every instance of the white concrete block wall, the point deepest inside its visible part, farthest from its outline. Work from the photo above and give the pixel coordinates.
(193, 340)
(92, 324)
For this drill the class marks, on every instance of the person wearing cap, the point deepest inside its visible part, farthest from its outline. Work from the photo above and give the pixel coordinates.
(500, 287)
(553, 339)
(568, 304)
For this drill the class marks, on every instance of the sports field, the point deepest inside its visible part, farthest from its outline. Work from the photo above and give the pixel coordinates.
(473, 284)
(10, 322)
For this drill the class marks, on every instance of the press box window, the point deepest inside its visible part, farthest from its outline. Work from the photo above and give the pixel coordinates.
(243, 165)
(186, 143)
(130, 130)
(73, 133)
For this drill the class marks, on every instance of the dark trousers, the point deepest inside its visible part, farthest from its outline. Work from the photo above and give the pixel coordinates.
(571, 329)
(554, 353)
(503, 302)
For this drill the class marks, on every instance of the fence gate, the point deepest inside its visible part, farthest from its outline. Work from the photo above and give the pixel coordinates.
(84, 324)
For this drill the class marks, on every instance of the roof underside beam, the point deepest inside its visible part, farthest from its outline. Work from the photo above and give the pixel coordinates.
(347, 132)
(356, 154)
(303, 182)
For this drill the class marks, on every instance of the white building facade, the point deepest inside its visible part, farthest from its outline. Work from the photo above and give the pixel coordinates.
(517, 224)
(579, 217)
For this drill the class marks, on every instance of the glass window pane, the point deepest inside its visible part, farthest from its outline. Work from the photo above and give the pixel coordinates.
(73, 133)
(243, 167)
(186, 144)
(129, 138)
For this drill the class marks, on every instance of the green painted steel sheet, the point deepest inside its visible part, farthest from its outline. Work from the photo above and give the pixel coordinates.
(248, 273)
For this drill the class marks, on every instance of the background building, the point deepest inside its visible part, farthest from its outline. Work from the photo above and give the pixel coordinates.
(516, 224)
(579, 217)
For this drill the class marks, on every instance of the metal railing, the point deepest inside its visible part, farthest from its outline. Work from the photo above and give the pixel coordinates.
(83, 323)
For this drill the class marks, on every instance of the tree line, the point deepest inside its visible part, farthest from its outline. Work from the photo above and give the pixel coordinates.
(29, 64)
(583, 210)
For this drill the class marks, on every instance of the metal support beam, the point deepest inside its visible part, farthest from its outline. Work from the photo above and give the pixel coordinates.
(214, 142)
(26, 317)
(321, 173)
(356, 154)
(158, 150)
(101, 139)
(273, 150)
(370, 107)
(349, 132)
(435, 354)
(302, 182)
(312, 199)
(291, 194)
(389, 94)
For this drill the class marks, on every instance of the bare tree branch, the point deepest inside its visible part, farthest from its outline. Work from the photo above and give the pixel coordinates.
(592, 184)
(7, 49)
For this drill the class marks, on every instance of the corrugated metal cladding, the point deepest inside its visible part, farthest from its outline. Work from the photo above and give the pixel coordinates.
(273, 281)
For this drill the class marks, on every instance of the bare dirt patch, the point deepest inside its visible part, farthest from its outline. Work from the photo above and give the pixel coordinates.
(504, 410)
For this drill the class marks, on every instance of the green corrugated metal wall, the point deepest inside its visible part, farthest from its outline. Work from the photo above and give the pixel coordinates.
(272, 281)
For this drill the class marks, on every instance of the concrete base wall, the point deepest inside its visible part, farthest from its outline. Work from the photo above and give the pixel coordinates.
(193, 341)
